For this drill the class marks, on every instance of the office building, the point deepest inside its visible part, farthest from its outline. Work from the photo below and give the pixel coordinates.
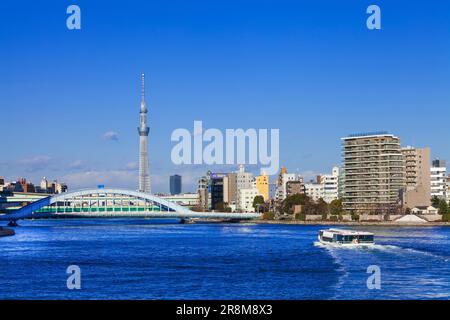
(216, 189)
(175, 184)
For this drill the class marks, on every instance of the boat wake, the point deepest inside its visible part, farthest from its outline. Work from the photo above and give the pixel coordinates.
(383, 248)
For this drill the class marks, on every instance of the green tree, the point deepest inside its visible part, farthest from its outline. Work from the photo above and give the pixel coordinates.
(293, 200)
(321, 207)
(222, 207)
(443, 207)
(336, 207)
(435, 201)
(257, 202)
(268, 216)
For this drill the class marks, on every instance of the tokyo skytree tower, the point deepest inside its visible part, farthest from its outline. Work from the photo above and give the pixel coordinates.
(144, 171)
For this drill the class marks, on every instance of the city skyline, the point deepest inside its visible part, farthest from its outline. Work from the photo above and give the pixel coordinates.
(315, 81)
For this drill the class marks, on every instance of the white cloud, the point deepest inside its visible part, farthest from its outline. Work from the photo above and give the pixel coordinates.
(77, 164)
(109, 178)
(35, 163)
(132, 166)
(111, 136)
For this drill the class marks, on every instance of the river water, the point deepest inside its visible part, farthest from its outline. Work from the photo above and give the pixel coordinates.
(136, 259)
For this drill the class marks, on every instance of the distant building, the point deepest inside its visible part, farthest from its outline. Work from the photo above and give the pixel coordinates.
(262, 184)
(60, 188)
(417, 191)
(315, 191)
(175, 184)
(184, 199)
(374, 173)
(245, 199)
(244, 180)
(330, 185)
(233, 182)
(204, 200)
(26, 186)
(448, 189)
(230, 188)
(439, 179)
(51, 187)
(295, 187)
(216, 189)
(283, 178)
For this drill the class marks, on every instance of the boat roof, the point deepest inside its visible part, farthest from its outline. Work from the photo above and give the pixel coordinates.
(345, 232)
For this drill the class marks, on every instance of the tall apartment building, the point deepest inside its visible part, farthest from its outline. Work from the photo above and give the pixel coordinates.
(438, 179)
(374, 173)
(417, 190)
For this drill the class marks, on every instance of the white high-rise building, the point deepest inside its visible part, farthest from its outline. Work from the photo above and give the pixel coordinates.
(330, 185)
(438, 177)
(143, 129)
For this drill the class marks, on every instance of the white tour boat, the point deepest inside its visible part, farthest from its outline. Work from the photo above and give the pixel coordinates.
(342, 237)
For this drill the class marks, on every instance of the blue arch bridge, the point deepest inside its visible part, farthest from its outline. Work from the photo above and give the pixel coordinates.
(113, 203)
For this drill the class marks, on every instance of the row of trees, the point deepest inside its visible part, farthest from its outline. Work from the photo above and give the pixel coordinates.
(309, 206)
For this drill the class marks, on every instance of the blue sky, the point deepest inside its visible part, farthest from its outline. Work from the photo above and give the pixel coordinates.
(310, 68)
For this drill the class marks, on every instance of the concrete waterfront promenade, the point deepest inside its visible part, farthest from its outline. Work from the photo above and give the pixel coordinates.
(355, 223)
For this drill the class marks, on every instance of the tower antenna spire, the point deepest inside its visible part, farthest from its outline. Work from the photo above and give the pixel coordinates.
(142, 86)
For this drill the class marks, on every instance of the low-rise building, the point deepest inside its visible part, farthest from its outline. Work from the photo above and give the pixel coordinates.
(315, 191)
(245, 199)
(438, 179)
(295, 187)
(184, 199)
